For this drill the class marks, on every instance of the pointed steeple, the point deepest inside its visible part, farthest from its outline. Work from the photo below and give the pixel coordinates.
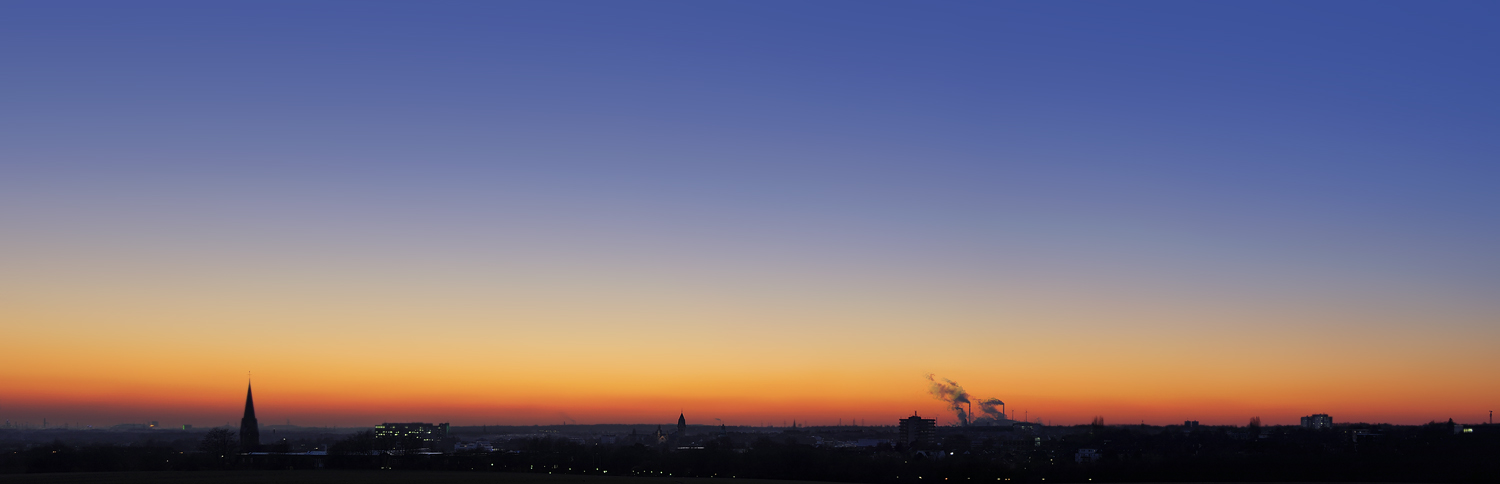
(249, 402)
(249, 428)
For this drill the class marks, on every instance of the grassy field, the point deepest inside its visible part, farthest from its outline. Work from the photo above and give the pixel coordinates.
(351, 477)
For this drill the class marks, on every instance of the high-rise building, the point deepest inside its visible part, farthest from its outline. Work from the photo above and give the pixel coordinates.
(249, 428)
(915, 430)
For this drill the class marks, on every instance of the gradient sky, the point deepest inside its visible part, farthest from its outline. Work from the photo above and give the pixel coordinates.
(536, 212)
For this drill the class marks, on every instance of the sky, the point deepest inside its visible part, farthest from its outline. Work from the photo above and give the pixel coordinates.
(596, 212)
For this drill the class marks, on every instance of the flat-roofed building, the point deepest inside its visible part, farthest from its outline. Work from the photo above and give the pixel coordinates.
(915, 430)
(1319, 421)
(411, 436)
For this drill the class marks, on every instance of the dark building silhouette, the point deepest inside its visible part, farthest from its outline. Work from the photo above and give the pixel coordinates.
(249, 428)
(1319, 421)
(411, 436)
(915, 430)
(681, 424)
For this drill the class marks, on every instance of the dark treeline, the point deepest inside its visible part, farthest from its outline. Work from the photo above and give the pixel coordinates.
(1430, 453)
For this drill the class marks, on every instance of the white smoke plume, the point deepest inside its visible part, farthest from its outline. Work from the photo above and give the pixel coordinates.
(949, 391)
(959, 402)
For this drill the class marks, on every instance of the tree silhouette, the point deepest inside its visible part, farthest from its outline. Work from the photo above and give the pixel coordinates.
(362, 443)
(219, 445)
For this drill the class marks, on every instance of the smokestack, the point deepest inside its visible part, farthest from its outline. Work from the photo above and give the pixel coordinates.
(991, 410)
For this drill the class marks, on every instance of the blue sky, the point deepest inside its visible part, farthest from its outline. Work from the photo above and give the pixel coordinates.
(1330, 130)
(1337, 157)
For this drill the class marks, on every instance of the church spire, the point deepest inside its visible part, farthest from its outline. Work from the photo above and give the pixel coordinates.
(249, 403)
(249, 428)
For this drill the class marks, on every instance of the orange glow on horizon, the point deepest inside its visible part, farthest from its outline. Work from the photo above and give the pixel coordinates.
(351, 359)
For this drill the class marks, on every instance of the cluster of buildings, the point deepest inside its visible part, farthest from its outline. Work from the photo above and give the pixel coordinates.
(912, 432)
(428, 437)
(415, 436)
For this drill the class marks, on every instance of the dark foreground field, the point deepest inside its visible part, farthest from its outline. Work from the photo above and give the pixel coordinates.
(351, 477)
(360, 477)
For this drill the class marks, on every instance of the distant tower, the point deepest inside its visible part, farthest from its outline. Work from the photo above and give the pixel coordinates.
(681, 424)
(249, 428)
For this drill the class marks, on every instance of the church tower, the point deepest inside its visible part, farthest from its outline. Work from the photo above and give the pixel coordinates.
(681, 424)
(249, 428)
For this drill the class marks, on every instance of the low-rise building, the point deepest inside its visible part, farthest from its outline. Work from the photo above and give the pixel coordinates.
(1318, 421)
(478, 445)
(411, 436)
